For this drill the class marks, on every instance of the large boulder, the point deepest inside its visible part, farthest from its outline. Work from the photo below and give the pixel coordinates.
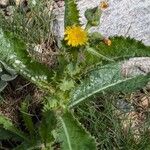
(122, 17)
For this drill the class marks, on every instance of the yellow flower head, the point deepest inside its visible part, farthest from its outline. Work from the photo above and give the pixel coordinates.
(76, 36)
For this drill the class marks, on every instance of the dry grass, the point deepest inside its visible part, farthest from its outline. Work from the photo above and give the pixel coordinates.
(16, 92)
(124, 127)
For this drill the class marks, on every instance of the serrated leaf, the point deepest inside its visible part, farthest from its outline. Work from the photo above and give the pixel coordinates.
(71, 13)
(13, 53)
(93, 16)
(66, 85)
(122, 47)
(73, 136)
(8, 125)
(107, 77)
(48, 124)
(72, 69)
(27, 117)
(7, 135)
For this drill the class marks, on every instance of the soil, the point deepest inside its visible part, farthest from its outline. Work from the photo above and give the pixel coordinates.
(20, 88)
(136, 118)
(16, 92)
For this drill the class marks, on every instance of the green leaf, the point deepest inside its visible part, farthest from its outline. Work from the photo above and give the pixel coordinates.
(8, 69)
(27, 117)
(9, 126)
(23, 146)
(93, 16)
(48, 124)
(6, 135)
(71, 13)
(6, 77)
(1, 68)
(96, 36)
(97, 54)
(13, 53)
(122, 48)
(29, 146)
(72, 69)
(107, 77)
(3, 84)
(66, 85)
(73, 136)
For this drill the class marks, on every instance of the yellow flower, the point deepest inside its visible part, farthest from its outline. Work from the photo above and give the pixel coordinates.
(76, 36)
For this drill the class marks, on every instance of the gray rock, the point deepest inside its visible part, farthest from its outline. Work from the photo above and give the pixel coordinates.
(136, 66)
(122, 17)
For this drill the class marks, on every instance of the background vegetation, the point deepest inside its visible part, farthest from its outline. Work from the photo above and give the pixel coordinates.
(63, 102)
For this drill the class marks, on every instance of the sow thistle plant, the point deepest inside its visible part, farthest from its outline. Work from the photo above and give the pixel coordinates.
(88, 64)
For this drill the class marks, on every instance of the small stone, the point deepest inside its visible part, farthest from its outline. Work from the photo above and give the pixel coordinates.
(18, 2)
(145, 102)
(4, 3)
(148, 86)
(9, 10)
